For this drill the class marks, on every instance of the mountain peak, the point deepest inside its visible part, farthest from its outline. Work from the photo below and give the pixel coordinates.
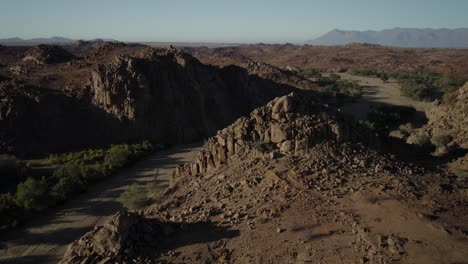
(399, 37)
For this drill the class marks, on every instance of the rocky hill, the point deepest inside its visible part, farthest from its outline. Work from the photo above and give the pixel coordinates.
(450, 116)
(291, 182)
(77, 96)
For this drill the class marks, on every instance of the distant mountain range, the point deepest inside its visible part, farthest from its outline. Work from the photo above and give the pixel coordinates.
(399, 37)
(37, 41)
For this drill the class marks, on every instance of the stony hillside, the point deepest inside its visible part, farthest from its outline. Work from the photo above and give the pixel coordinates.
(62, 98)
(450, 116)
(293, 182)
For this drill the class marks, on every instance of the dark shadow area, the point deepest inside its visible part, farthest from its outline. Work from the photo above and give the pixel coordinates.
(194, 233)
(29, 259)
(321, 235)
(63, 236)
(303, 228)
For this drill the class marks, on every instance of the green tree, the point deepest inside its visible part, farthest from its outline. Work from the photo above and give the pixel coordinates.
(71, 180)
(32, 194)
(118, 155)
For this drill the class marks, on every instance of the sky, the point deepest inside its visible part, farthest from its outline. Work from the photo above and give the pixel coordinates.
(220, 21)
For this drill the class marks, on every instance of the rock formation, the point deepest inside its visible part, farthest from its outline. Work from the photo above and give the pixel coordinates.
(450, 116)
(163, 95)
(286, 184)
(46, 54)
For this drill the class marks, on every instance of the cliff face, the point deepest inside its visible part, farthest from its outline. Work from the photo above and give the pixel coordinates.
(162, 95)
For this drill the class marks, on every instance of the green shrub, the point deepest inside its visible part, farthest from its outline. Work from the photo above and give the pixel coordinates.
(32, 194)
(134, 197)
(335, 84)
(118, 155)
(9, 211)
(310, 73)
(86, 156)
(441, 140)
(387, 118)
(417, 91)
(72, 179)
(422, 140)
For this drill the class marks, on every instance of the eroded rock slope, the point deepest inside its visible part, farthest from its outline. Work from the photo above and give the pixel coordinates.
(164, 95)
(293, 182)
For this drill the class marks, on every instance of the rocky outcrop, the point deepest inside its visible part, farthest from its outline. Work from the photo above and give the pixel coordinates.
(279, 75)
(46, 54)
(124, 234)
(170, 89)
(289, 125)
(450, 116)
(163, 95)
(291, 177)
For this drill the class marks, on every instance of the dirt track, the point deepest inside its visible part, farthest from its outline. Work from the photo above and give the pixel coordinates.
(376, 92)
(45, 239)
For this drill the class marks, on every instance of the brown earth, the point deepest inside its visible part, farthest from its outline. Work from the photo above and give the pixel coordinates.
(294, 182)
(354, 56)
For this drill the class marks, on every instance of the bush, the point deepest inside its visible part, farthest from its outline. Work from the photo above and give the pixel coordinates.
(8, 210)
(72, 179)
(32, 194)
(310, 73)
(133, 198)
(422, 140)
(441, 140)
(417, 91)
(118, 155)
(85, 156)
(387, 118)
(335, 84)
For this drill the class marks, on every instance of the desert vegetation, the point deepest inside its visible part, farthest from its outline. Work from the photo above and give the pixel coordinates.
(73, 173)
(332, 83)
(136, 196)
(384, 119)
(419, 85)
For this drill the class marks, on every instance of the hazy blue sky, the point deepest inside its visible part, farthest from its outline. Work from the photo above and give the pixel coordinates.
(220, 20)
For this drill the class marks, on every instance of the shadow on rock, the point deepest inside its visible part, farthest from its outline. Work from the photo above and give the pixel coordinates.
(130, 236)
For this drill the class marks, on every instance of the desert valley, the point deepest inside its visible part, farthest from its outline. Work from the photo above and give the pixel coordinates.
(351, 148)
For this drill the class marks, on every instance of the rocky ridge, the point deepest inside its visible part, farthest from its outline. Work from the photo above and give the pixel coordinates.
(46, 54)
(287, 184)
(164, 95)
